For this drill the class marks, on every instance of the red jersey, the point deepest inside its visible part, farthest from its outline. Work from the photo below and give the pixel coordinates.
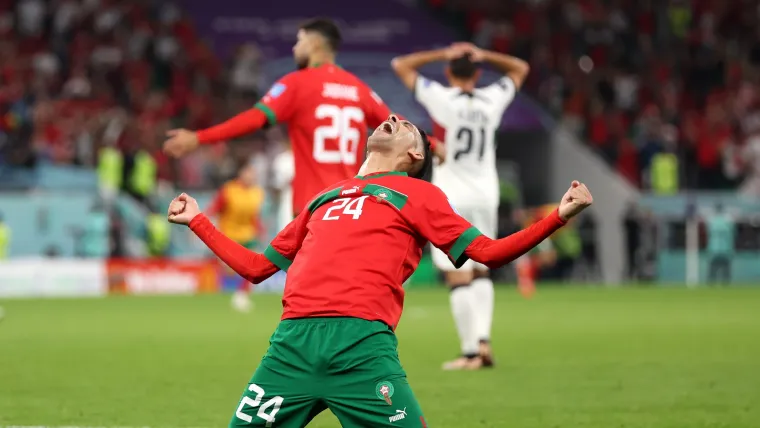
(350, 252)
(327, 111)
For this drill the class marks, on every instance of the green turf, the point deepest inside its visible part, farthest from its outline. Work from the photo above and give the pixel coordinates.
(587, 358)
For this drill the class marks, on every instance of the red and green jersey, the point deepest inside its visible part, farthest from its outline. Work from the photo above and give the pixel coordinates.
(350, 252)
(327, 111)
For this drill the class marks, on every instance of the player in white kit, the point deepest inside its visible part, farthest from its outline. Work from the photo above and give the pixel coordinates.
(283, 171)
(466, 119)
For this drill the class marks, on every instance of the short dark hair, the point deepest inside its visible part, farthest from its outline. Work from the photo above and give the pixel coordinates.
(326, 28)
(463, 67)
(242, 165)
(426, 172)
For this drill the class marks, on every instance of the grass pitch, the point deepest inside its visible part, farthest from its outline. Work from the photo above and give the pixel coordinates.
(577, 357)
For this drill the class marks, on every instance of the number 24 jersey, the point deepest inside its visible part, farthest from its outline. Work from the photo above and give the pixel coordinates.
(327, 111)
(350, 252)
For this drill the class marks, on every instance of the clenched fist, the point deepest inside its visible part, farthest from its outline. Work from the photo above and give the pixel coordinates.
(180, 142)
(183, 209)
(576, 199)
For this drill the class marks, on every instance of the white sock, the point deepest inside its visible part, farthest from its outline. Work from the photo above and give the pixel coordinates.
(463, 309)
(482, 292)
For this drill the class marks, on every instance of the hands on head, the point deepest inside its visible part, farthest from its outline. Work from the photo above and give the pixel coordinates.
(576, 199)
(459, 49)
(183, 209)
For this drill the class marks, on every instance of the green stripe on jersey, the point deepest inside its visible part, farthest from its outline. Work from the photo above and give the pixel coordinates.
(397, 199)
(393, 197)
(323, 199)
(277, 259)
(271, 117)
(381, 174)
(465, 239)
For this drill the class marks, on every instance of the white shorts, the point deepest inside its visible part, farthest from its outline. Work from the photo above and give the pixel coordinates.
(485, 219)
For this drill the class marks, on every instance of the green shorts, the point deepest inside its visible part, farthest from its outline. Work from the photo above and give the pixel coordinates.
(347, 365)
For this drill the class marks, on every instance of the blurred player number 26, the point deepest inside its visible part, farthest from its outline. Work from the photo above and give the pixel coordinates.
(340, 128)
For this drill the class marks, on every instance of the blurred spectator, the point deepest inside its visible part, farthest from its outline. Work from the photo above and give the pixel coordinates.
(117, 234)
(5, 238)
(637, 79)
(589, 261)
(750, 156)
(157, 233)
(138, 66)
(245, 72)
(721, 232)
(283, 171)
(568, 245)
(52, 252)
(632, 226)
(95, 238)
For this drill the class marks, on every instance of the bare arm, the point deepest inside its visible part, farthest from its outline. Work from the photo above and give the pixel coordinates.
(406, 66)
(512, 67)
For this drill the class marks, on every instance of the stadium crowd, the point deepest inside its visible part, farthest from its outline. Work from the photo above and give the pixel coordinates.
(138, 64)
(635, 79)
(639, 78)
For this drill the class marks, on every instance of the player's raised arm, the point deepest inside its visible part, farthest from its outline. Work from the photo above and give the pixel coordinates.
(431, 214)
(250, 265)
(276, 106)
(437, 221)
(406, 66)
(427, 92)
(498, 252)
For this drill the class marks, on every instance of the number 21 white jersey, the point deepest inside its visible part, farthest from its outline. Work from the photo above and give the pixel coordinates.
(470, 121)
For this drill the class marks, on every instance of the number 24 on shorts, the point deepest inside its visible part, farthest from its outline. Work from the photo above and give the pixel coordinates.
(273, 403)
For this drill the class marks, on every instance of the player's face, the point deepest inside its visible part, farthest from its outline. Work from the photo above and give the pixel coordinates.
(247, 175)
(400, 138)
(302, 49)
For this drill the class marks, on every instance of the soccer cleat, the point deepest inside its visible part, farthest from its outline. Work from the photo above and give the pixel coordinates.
(464, 363)
(486, 354)
(241, 302)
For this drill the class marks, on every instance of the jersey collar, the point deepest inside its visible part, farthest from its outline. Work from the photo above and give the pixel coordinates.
(320, 64)
(381, 174)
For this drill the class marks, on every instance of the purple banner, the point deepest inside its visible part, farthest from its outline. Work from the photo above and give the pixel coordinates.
(373, 32)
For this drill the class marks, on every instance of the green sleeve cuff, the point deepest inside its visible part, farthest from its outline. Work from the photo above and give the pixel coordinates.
(277, 259)
(268, 112)
(460, 245)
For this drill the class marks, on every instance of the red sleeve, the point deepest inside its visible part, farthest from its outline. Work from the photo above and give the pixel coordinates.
(252, 266)
(245, 123)
(498, 252)
(284, 247)
(432, 216)
(277, 105)
(217, 204)
(281, 101)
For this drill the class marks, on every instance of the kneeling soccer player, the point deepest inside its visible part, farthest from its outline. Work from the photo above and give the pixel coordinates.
(347, 257)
